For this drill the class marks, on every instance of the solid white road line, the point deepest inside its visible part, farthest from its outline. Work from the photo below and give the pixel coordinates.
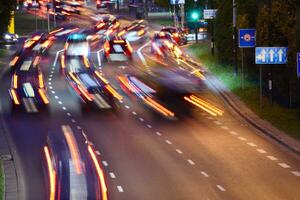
(221, 188)
(120, 189)
(284, 165)
(204, 173)
(272, 158)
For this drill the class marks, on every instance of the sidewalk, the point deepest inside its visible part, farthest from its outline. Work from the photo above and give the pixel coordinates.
(242, 111)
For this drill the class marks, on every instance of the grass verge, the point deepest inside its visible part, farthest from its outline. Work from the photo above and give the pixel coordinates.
(26, 23)
(281, 117)
(1, 181)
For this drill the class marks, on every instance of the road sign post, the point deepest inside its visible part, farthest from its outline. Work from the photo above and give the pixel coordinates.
(247, 39)
(298, 64)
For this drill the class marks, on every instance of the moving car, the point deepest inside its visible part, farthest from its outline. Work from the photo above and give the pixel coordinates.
(28, 89)
(72, 168)
(9, 38)
(163, 43)
(117, 49)
(136, 31)
(177, 34)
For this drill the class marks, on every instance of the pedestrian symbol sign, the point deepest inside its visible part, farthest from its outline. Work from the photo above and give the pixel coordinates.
(271, 55)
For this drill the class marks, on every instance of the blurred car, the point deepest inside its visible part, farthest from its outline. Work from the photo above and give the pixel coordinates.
(134, 32)
(162, 43)
(31, 4)
(117, 49)
(177, 34)
(71, 7)
(76, 53)
(72, 168)
(94, 92)
(105, 21)
(102, 4)
(9, 38)
(28, 89)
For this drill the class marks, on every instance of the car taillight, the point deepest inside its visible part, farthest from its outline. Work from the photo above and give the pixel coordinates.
(41, 81)
(175, 34)
(106, 47)
(14, 61)
(14, 96)
(15, 81)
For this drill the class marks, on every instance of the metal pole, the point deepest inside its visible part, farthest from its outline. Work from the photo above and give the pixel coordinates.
(242, 68)
(48, 20)
(174, 14)
(212, 32)
(234, 37)
(260, 87)
(54, 16)
(182, 15)
(196, 32)
(35, 19)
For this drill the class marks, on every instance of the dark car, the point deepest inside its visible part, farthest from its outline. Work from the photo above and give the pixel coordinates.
(28, 89)
(177, 34)
(117, 49)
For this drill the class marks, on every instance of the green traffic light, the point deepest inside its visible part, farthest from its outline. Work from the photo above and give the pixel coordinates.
(195, 15)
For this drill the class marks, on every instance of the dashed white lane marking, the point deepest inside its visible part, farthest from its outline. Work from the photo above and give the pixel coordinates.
(69, 114)
(50, 79)
(121, 101)
(209, 118)
(52, 72)
(251, 144)
(56, 97)
(50, 87)
(78, 127)
(53, 92)
(221, 188)
(168, 142)
(112, 175)
(158, 133)
(233, 132)
(97, 152)
(149, 126)
(179, 151)
(50, 75)
(261, 151)
(126, 106)
(120, 189)
(64, 108)
(104, 163)
(272, 158)
(218, 122)
(203, 114)
(49, 83)
(242, 138)
(284, 165)
(224, 127)
(191, 162)
(296, 173)
(134, 113)
(141, 119)
(73, 120)
(59, 102)
(204, 173)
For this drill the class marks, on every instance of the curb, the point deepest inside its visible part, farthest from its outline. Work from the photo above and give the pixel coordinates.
(259, 124)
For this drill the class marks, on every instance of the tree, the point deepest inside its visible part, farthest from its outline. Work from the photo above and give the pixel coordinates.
(6, 8)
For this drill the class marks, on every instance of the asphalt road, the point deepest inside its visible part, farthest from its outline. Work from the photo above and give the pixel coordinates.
(146, 156)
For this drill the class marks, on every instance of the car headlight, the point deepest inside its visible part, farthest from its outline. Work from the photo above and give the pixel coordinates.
(7, 36)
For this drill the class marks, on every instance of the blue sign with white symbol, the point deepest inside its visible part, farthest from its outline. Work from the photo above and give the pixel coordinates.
(298, 64)
(247, 38)
(271, 55)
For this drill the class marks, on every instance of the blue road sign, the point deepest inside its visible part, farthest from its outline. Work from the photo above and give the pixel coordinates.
(247, 38)
(298, 64)
(271, 55)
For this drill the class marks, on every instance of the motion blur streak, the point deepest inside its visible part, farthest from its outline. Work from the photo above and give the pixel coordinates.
(14, 96)
(36, 61)
(29, 43)
(73, 148)
(114, 92)
(86, 62)
(99, 172)
(121, 33)
(85, 93)
(207, 105)
(74, 78)
(41, 81)
(200, 106)
(101, 77)
(43, 96)
(55, 31)
(14, 61)
(15, 81)
(129, 86)
(52, 176)
(62, 62)
(158, 107)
